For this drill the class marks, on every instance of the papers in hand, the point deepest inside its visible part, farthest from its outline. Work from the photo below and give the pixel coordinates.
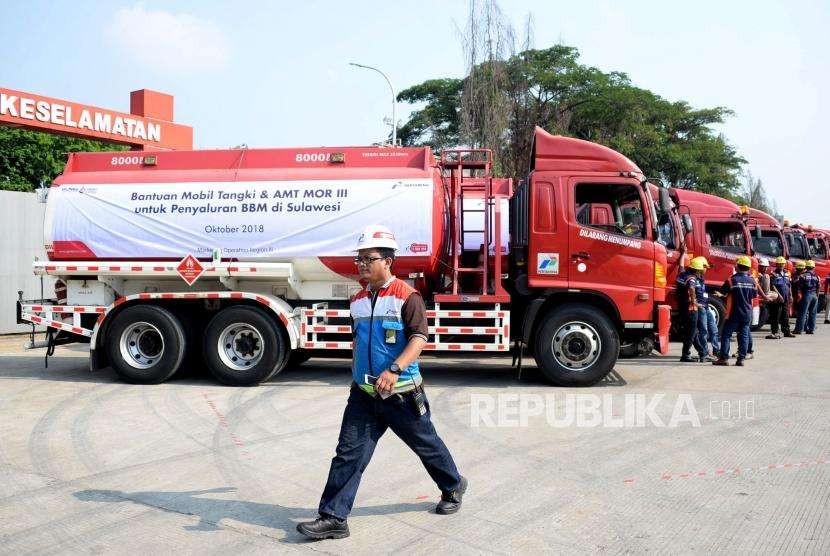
(369, 379)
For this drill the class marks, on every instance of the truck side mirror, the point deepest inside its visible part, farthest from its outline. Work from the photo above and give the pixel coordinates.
(665, 200)
(686, 219)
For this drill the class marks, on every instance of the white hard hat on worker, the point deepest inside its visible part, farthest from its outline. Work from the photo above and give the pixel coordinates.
(376, 236)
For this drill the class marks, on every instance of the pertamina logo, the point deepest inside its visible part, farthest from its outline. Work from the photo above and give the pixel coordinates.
(190, 269)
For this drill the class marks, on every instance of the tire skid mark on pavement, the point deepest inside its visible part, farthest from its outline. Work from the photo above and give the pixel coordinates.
(45, 465)
(80, 481)
(79, 431)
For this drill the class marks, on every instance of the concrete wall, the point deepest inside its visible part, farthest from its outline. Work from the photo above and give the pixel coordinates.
(21, 240)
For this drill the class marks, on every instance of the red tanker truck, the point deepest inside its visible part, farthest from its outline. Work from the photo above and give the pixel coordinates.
(243, 258)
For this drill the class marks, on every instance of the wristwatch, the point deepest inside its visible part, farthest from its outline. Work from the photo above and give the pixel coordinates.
(395, 368)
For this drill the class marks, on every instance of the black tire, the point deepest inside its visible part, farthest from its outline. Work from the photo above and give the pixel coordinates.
(588, 349)
(763, 317)
(145, 344)
(720, 308)
(255, 346)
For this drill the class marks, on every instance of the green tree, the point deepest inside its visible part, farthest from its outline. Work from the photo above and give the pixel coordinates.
(438, 123)
(551, 88)
(28, 158)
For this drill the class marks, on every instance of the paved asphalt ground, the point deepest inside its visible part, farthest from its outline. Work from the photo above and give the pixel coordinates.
(91, 465)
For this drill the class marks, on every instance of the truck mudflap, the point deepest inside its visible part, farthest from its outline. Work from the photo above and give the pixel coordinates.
(663, 327)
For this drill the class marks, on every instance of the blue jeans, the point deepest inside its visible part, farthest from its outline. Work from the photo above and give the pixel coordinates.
(691, 336)
(703, 331)
(806, 317)
(712, 328)
(730, 327)
(364, 421)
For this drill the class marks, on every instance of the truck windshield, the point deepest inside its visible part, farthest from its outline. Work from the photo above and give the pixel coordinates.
(797, 245)
(769, 244)
(615, 208)
(728, 236)
(817, 249)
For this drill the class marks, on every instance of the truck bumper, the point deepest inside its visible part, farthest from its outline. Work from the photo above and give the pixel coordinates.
(663, 327)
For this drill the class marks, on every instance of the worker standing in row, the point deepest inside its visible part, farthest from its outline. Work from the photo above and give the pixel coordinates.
(739, 290)
(689, 284)
(827, 299)
(779, 305)
(707, 329)
(808, 286)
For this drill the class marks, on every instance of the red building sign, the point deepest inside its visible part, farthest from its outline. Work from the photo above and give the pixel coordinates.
(149, 125)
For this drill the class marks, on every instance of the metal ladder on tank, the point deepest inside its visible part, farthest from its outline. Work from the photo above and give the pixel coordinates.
(469, 174)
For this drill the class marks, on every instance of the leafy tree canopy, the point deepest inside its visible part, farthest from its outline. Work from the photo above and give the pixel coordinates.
(28, 158)
(500, 101)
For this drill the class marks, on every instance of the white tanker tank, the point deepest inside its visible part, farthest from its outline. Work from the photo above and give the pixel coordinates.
(305, 207)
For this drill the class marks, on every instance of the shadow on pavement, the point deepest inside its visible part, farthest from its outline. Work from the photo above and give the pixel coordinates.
(211, 511)
(460, 370)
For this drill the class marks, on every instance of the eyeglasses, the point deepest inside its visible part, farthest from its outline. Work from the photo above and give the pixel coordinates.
(366, 261)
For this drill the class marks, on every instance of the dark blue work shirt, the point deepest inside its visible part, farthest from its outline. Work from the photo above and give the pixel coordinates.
(780, 280)
(808, 282)
(740, 289)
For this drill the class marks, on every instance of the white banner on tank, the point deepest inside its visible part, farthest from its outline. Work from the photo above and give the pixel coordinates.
(275, 220)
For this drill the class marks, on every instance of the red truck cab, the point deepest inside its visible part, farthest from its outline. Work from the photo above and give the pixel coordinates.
(818, 242)
(590, 238)
(704, 225)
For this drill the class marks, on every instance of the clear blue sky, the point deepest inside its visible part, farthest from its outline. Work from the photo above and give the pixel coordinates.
(276, 73)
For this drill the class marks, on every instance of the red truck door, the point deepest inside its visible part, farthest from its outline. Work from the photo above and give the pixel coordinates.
(614, 257)
(548, 249)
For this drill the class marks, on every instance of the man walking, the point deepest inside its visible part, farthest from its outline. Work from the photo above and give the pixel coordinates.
(390, 330)
(740, 289)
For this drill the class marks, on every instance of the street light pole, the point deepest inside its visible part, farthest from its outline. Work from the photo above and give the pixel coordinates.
(391, 88)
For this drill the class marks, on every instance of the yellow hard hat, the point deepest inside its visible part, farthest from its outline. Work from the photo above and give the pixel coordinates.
(699, 263)
(780, 260)
(800, 265)
(743, 260)
(811, 264)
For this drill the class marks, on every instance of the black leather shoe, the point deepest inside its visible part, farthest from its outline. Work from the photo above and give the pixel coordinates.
(687, 359)
(451, 501)
(324, 527)
(739, 362)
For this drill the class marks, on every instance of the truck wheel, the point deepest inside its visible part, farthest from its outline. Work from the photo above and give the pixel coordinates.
(763, 316)
(243, 346)
(576, 345)
(145, 344)
(717, 308)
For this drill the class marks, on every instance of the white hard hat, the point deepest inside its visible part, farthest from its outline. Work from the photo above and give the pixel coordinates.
(763, 261)
(376, 236)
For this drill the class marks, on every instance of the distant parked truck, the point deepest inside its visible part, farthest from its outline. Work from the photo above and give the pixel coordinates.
(242, 258)
(699, 224)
